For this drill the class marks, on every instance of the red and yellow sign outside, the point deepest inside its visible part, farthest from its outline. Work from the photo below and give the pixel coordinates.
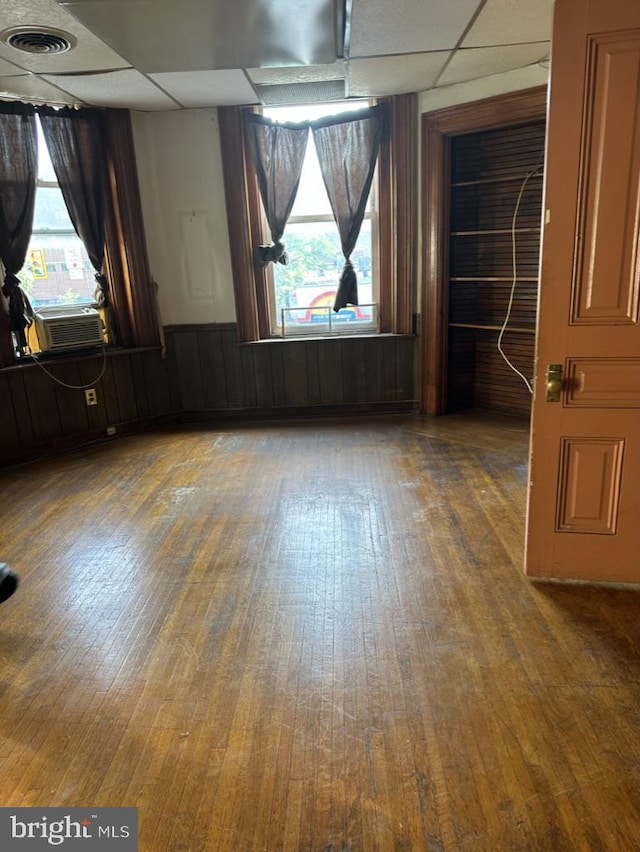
(37, 264)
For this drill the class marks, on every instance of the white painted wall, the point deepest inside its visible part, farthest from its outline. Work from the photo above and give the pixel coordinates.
(180, 173)
(183, 202)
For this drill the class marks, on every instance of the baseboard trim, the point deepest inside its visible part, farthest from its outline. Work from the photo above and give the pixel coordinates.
(66, 443)
(297, 412)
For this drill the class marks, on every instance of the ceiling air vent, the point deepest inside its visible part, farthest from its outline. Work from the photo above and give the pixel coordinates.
(42, 41)
(300, 93)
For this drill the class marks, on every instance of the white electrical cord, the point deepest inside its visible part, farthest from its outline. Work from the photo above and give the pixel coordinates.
(76, 387)
(514, 263)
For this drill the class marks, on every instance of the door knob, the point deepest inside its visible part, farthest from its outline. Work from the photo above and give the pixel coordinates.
(554, 382)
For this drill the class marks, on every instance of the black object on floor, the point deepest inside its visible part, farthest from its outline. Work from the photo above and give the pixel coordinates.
(8, 582)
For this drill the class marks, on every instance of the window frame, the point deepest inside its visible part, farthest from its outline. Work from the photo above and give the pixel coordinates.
(396, 193)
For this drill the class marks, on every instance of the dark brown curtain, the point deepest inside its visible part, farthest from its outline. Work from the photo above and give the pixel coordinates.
(75, 146)
(18, 175)
(347, 149)
(278, 154)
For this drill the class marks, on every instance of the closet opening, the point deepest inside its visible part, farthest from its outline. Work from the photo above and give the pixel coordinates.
(495, 211)
(481, 196)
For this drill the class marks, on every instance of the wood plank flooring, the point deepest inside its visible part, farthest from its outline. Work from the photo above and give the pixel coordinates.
(312, 637)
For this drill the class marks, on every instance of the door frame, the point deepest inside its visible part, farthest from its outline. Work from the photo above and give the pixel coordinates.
(436, 129)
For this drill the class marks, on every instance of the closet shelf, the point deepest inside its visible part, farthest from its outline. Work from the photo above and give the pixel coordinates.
(494, 231)
(480, 279)
(501, 179)
(514, 328)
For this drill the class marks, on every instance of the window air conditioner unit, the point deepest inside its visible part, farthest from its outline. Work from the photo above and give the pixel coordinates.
(68, 327)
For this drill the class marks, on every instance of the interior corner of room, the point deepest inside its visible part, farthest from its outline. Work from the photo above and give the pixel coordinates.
(319, 437)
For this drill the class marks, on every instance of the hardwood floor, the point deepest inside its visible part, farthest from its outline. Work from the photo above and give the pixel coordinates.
(312, 637)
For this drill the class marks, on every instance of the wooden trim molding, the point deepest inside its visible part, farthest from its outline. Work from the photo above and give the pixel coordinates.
(132, 289)
(397, 216)
(436, 129)
(6, 348)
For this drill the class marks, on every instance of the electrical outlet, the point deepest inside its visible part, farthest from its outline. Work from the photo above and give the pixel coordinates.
(91, 396)
(111, 430)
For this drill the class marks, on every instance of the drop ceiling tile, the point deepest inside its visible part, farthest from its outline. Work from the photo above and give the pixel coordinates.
(511, 22)
(8, 69)
(89, 53)
(382, 27)
(207, 88)
(395, 75)
(202, 35)
(473, 63)
(297, 74)
(29, 88)
(127, 88)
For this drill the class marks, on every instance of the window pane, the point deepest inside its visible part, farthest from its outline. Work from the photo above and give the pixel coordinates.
(45, 166)
(50, 212)
(310, 280)
(57, 271)
(312, 198)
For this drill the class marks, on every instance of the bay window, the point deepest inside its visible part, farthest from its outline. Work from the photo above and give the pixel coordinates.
(283, 300)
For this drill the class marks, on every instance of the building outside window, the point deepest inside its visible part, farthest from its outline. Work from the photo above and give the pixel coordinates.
(303, 291)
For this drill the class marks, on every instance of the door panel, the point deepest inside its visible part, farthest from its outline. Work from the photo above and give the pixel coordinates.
(605, 287)
(583, 518)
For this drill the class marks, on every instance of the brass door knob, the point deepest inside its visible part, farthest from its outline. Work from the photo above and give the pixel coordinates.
(554, 382)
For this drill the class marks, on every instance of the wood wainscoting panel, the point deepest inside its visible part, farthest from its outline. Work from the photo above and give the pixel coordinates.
(43, 412)
(212, 372)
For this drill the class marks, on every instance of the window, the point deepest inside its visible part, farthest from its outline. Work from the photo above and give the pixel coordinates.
(302, 292)
(57, 270)
(393, 218)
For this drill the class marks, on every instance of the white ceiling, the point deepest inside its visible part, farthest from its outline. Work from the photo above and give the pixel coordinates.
(174, 54)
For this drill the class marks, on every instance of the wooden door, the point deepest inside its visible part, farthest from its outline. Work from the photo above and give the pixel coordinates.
(583, 518)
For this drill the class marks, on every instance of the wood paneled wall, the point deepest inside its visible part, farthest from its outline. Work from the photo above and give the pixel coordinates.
(38, 415)
(204, 375)
(210, 372)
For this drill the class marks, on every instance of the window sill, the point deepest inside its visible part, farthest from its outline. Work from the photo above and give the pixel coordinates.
(323, 338)
(73, 357)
